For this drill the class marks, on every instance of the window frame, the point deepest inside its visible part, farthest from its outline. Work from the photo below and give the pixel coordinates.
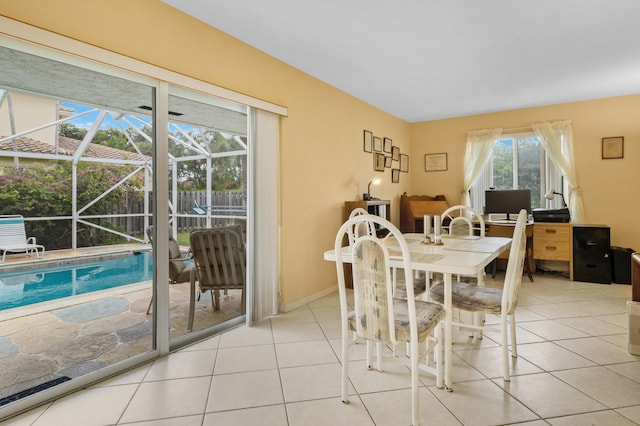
(550, 175)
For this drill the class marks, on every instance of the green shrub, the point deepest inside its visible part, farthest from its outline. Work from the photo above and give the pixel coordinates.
(47, 192)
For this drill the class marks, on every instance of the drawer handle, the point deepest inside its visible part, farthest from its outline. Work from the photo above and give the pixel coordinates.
(550, 231)
(550, 248)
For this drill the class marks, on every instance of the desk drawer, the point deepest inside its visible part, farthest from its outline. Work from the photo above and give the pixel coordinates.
(552, 241)
(551, 248)
(555, 231)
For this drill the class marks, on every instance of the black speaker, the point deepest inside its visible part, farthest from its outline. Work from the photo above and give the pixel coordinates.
(591, 253)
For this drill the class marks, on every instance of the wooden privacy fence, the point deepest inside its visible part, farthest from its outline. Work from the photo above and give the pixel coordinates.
(222, 204)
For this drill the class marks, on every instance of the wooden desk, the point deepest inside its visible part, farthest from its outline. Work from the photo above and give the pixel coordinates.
(505, 229)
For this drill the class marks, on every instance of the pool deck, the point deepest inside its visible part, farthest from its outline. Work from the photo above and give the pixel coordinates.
(14, 260)
(80, 334)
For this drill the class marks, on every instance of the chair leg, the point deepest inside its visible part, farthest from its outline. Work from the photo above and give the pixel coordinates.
(505, 348)
(345, 365)
(514, 346)
(438, 355)
(478, 317)
(415, 371)
(149, 307)
(192, 302)
(215, 299)
(369, 356)
(527, 269)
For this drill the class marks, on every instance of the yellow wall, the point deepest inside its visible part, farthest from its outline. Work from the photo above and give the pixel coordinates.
(322, 161)
(610, 188)
(29, 112)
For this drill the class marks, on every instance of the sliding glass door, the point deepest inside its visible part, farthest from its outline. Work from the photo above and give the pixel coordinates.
(207, 151)
(92, 158)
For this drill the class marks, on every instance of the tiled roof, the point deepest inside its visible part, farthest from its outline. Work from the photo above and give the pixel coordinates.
(31, 145)
(95, 150)
(67, 146)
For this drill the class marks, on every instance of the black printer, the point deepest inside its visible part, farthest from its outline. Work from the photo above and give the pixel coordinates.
(551, 215)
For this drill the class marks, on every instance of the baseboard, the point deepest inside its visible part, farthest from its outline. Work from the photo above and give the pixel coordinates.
(293, 305)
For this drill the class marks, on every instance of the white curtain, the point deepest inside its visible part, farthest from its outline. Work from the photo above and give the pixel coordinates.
(478, 151)
(264, 295)
(557, 140)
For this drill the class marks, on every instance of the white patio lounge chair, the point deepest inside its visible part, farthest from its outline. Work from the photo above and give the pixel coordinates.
(13, 238)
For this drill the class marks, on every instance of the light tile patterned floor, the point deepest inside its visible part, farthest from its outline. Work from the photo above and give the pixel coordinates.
(573, 369)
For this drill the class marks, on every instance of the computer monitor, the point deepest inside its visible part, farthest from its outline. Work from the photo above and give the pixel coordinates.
(508, 202)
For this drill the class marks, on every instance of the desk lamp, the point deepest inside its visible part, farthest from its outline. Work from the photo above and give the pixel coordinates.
(367, 196)
(549, 196)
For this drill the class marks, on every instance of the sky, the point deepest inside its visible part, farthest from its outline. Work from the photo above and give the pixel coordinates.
(86, 121)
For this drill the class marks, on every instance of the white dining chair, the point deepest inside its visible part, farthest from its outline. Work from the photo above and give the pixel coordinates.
(462, 220)
(379, 317)
(502, 301)
(362, 228)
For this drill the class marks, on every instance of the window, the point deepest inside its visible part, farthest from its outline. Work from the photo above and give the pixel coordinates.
(518, 162)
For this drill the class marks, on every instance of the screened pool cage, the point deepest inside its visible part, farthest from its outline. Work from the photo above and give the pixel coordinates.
(187, 209)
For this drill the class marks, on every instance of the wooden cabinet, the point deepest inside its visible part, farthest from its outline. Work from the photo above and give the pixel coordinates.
(414, 207)
(380, 208)
(553, 241)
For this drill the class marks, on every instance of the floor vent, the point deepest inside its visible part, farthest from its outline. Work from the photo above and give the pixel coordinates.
(22, 394)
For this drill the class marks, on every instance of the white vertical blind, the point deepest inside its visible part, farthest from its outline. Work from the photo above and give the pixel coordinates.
(265, 216)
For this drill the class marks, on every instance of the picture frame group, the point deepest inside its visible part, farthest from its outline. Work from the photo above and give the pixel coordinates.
(385, 155)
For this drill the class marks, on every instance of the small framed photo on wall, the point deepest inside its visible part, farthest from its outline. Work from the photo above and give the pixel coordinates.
(395, 153)
(388, 144)
(395, 175)
(378, 162)
(404, 163)
(613, 147)
(368, 141)
(377, 144)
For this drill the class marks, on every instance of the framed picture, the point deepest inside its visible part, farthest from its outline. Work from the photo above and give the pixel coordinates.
(387, 161)
(395, 175)
(388, 144)
(395, 153)
(613, 147)
(404, 163)
(435, 162)
(377, 144)
(368, 141)
(378, 162)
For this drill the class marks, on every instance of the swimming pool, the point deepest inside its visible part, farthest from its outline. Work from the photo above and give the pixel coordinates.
(72, 277)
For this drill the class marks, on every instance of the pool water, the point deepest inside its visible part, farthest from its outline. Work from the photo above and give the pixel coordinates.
(41, 284)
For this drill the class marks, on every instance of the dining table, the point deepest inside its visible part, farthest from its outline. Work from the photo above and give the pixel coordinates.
(457, 255)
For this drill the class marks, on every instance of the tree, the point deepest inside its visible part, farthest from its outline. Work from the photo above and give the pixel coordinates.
(72, 131)
(226, 172)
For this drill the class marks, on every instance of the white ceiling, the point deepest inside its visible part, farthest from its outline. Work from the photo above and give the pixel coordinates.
(431, 59)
